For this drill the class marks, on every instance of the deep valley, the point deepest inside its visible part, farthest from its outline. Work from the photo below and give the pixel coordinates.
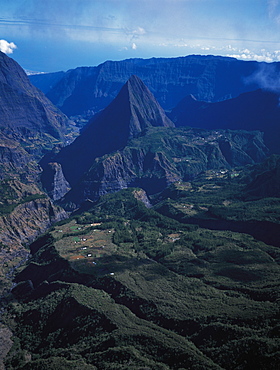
(140, 228)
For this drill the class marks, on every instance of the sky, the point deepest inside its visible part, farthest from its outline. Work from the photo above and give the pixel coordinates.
(54, 35)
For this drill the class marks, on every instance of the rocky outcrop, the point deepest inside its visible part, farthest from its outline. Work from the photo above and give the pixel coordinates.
(141, 195)
(29, 220)
(54, 181)
(208, 78)
(131, 167)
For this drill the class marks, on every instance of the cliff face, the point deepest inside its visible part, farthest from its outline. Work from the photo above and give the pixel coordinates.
(164, 156)
(209, 78)
(29, 126)
(16, 162)
(54, 181)
(29, 220)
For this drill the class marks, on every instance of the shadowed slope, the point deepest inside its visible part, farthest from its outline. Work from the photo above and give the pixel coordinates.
(133, 110)
(27, 116)
(255, 110)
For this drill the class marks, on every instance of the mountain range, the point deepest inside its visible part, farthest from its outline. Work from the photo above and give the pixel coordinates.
(199, 91)
(208, 78)
(133, 143)
(146, 240)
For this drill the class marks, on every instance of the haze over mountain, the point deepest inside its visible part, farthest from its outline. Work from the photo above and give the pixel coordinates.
(208, 78)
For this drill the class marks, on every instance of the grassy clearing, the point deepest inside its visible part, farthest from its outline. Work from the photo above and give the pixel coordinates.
(83, 245)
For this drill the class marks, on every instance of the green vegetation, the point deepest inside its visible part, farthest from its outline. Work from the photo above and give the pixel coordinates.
(14, 193)
(130, 287)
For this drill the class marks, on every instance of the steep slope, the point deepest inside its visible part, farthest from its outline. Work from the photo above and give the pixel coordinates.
(256, 110)
(27, 116)
(29, 126)
(28, 220)
(25, 213)
(16, 162)
(165, 155)
(45, 81)
(264, 179)
(209, 78)
(131, 113)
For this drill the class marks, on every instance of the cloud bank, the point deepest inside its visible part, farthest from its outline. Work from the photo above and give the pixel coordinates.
(267, 77)
(7, 47)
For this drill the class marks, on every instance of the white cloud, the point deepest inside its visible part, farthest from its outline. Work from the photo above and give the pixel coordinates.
(247, 53)
(138, 31)
(134, 33)
(267, 77)
(262, 55)
(133, 46)
(7, 47)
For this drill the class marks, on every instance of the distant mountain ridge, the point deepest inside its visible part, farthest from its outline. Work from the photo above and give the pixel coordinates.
(209, 78)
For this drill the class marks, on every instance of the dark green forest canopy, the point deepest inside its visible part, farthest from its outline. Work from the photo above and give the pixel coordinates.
(123, 285)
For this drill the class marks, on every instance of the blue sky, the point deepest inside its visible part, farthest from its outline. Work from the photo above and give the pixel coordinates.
(53, 35)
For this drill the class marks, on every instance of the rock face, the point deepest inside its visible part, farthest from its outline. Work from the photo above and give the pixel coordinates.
(29, 126)
(55, 183)
(143, 108)
(208, 78)
(163, 156)
(255, 110)
(16, 162)
(27, 116)
(29, 220)
(132, 112)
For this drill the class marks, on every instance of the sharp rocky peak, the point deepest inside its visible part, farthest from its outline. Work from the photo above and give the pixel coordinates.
(144, 109)
(127, 116)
